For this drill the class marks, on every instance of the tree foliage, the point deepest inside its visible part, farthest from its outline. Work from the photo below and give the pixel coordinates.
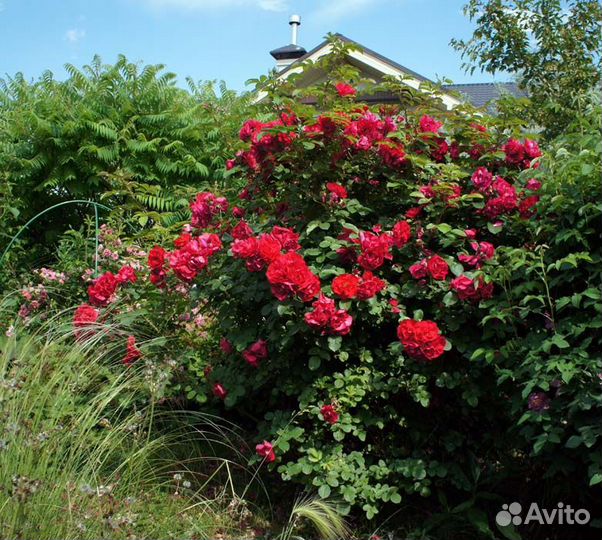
(122, 134)
(553, 47)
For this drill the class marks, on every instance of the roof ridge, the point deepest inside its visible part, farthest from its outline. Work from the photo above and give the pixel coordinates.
(479, 84)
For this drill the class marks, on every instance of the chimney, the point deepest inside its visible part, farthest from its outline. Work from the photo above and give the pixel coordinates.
(286, 55)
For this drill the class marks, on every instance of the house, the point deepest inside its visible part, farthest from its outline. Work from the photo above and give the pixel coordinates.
(375, 66)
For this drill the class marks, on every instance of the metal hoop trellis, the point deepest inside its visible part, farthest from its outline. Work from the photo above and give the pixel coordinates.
(93, 203)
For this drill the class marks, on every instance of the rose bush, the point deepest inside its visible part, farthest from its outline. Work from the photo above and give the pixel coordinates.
(346, 280)
(362, 299)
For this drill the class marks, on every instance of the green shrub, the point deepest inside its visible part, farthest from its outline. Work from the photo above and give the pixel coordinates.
(122, 134)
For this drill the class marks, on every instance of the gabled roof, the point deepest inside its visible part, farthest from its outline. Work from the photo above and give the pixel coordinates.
(479, 94)
(370, 52)
(374, 64)
(377, 65)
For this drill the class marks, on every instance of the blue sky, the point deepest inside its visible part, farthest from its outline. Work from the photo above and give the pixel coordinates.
(225, 39)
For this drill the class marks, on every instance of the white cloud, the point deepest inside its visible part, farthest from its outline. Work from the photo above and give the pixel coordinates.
(214, 5)
(74, 35)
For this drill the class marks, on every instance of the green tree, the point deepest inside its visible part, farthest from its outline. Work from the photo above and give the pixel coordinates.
(552, 46)
(123, 133)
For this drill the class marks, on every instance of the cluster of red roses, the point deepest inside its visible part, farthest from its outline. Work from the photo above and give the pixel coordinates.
(434, 267)
(421, 339)
(350, 286)
(205, 208)
(191, 257)
(259, 251)
(267, 139)
(287, 271)
(502, 196)
(103, 290)
(327, 318)
(521, 154)
(374, 246)
(469, 289)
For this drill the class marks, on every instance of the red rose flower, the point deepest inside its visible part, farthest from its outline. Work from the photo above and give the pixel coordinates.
(337, 192)
(515, 152)
(504, 202)
(369, 286)
(226, 346)
(421, 339)
(526, 208)
(241, 231)
(429, 125)
(102, 291)
(437, 268)
(439, 153)
(84, 316)
(156, 257)
(132, 352)
(329, 414)
(340, 322)
(256, 352)
(158, 277)
(289, 239)
(126, 273)
(238, 212)
(205, 207)
(482, 179)
(464, 287)
(401, 234)
(467, 289)
(219, 391)
(533, 184)
(266, 451)
(289, 275)
(344, 89)
(181, 263)
(345, 286)
(393, 155)
(324, 309)
(532, 149)
(487, 250)
(268, 248)
(413, 213)
(375, 249)
(419, 270)
(245, 249)
(182, 240)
